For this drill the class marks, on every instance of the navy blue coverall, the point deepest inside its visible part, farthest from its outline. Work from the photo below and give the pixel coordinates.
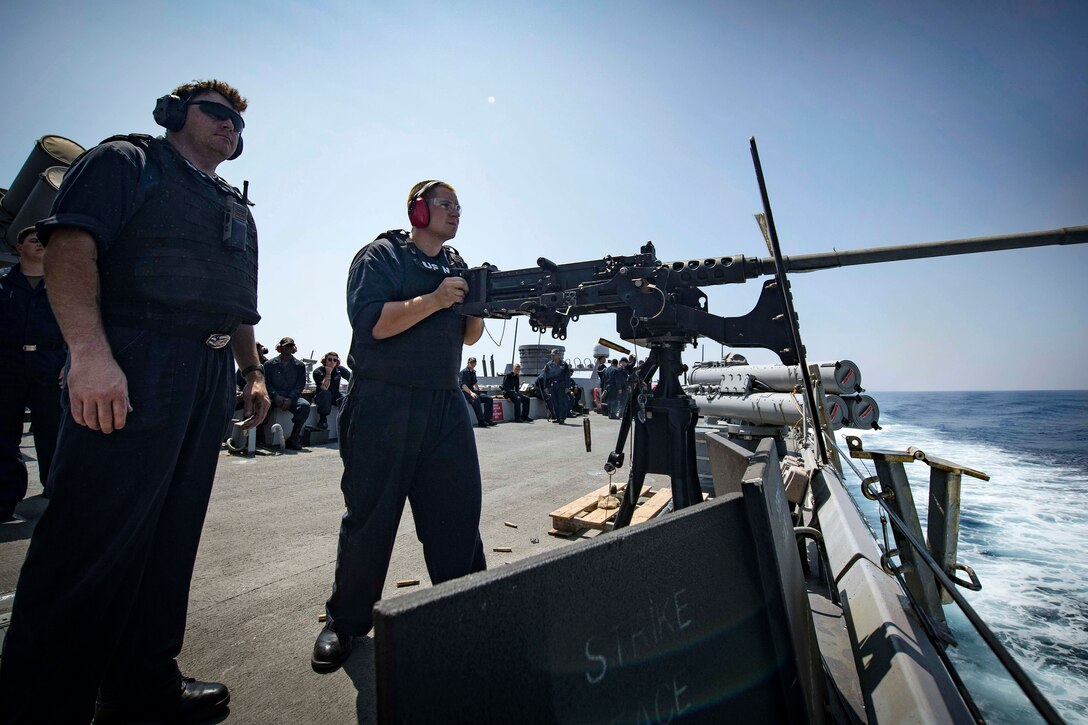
(31, 357)
(616, 379)
(325, 399)
(101, 602)
(482, 403)
(556, 377)
(511, 390)
(405, 434)
(287, 379)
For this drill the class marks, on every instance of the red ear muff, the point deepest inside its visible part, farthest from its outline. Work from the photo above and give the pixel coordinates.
(419, 213)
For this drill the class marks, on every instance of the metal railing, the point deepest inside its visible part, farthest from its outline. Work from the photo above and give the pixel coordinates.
(1022, 679)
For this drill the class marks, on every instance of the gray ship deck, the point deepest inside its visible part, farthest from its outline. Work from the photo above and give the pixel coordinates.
(266, 559)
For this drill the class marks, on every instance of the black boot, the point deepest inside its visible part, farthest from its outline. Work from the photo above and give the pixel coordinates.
(330, 650)
(196, 702)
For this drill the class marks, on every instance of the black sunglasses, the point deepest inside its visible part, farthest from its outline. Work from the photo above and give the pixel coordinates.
(222, 113)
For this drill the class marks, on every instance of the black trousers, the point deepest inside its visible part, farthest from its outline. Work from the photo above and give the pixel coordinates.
(520, 402)
(24, 384)
(101, 601)
(481, 404)
(325, 399)
(612, 399)
(403, 444)
(300, 411)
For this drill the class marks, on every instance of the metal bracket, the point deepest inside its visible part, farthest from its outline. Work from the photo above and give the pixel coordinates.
(974, 585)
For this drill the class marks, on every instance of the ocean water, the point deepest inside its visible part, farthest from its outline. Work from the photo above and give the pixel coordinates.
(1024, 532)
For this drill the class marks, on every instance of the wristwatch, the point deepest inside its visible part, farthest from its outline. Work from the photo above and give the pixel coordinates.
(251, 368)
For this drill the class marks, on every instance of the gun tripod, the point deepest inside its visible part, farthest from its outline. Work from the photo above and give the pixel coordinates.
(664, 422)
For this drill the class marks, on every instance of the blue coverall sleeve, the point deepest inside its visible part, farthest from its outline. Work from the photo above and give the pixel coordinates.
(373, 280)
(299, 382)
(99, 194)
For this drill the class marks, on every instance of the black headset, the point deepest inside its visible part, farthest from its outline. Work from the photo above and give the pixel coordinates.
(170, 112)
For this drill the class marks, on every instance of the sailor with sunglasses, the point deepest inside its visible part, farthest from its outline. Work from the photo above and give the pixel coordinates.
(405, 432)
(151, 260)
(327, 394)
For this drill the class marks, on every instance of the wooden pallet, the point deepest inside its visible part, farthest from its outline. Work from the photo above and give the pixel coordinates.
(583, 513)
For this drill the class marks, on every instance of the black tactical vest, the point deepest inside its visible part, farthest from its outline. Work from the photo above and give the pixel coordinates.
(427, 354)
(176, 261)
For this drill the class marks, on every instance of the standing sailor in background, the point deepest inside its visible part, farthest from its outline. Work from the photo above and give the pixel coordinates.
(31, 357)
(598, 389)
(327, 381)
(621, 379)
(511, 390)
(405, 431)
(556, 375)
(611, 388)
(285, 376)
(151, 261)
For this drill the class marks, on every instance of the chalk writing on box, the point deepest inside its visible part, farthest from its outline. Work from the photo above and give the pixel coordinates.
(643, 634)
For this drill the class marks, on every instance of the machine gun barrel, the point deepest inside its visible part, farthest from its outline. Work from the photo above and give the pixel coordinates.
(874, 255)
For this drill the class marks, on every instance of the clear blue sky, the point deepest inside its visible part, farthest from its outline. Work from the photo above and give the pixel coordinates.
(614, 123)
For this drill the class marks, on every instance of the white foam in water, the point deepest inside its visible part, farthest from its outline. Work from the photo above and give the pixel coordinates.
(1024, 533)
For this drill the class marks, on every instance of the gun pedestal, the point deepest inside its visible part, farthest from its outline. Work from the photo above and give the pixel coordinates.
(664, 431)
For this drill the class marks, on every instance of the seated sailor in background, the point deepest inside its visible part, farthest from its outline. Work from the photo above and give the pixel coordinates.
(480, 401)
(327, 379)
(285, 376)
(511, 390)
(576, 394)
(151, 261)
(31, 357)
(405, 432)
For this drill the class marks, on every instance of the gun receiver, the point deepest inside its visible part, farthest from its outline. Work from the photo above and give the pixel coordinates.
(652, 300)
(663, 301)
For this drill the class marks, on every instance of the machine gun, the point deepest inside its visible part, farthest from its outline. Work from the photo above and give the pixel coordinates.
(661, 306)
(652, 299)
